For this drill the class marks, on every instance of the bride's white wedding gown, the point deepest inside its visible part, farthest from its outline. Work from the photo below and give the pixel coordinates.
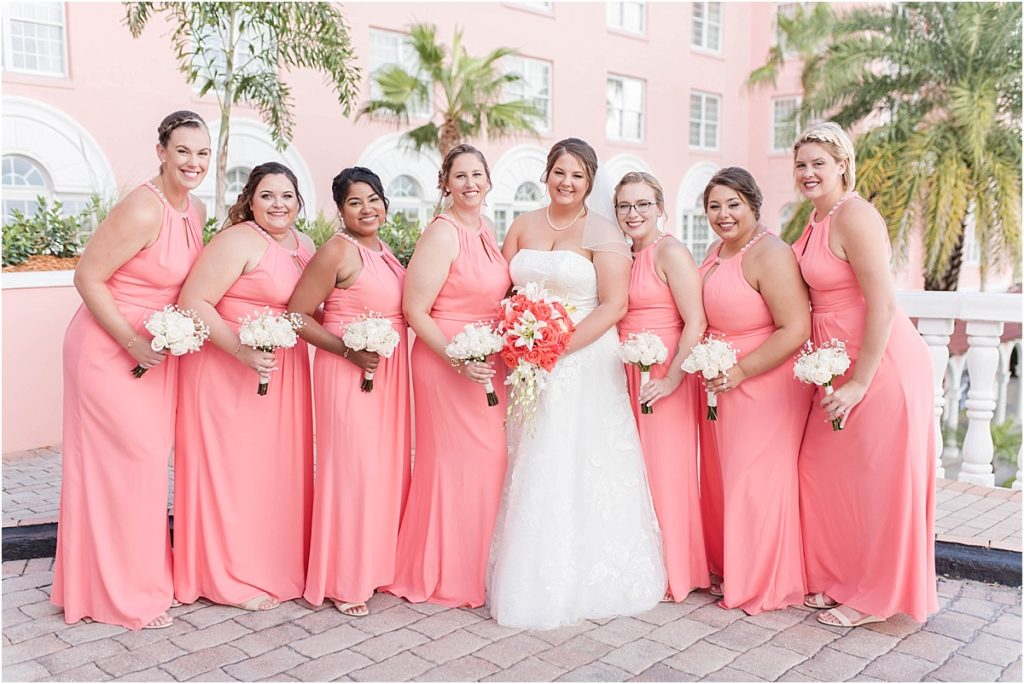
(576, 536)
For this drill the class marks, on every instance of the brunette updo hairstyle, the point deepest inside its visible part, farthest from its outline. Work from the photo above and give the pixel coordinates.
(583, 153)
(356, 174)
(742, 182)
(241, 210)
(177, 120)
(449, 159)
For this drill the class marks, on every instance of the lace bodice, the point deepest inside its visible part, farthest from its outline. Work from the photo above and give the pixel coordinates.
(567, 274)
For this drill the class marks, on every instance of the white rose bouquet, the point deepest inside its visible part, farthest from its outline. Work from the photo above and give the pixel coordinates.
(643, 349)
(711, 357)
(268, 332)
(476, 342)
(821, 366)
(176, 330)
(370, 332)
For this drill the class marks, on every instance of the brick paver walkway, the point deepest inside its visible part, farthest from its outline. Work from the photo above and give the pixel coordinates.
(975, 637)
(965, 514)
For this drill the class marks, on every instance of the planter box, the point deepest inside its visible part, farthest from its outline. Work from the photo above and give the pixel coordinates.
(37, 307)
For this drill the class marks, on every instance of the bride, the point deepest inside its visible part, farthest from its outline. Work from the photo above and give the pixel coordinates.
(576, 536)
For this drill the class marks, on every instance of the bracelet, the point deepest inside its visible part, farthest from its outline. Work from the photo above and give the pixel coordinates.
(131, 342)
(345, 353)
(237, 349)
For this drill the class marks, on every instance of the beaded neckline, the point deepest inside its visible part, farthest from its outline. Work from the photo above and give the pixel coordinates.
(835, 207)
(380, 244)
(750, 243)
(291, 252)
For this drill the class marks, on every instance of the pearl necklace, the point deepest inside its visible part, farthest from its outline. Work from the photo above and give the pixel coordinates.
(547, 213)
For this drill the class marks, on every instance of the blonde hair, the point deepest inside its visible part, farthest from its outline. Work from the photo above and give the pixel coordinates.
(834, 139)
(645, 178)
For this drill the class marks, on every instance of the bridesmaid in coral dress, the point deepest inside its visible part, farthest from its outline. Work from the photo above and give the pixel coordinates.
(457, 276)
(362, 438)
(244, 462)
(866, 493)
(113, 559)
(755, 300)
(665, 298)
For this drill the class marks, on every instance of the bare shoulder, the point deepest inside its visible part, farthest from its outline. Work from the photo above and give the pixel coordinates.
(140, 207)
(200, 208)
(305, 241)
(440, 231)
(858, 217)
(236, 236)
(771, 250)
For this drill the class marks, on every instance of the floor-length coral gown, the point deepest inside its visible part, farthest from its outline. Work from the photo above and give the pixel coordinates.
(755, 442)
(867, 493)
(113, 560)
(244, 462)
(362, 443)
(668, 436)
(460, 453)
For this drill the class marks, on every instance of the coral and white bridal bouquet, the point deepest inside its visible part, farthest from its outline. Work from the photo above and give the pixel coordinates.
(370, 332)
(643, 349)
(268, 332)
(476, 342)
(179, 331)
(821, 366)
(711, 357)
(536, 327)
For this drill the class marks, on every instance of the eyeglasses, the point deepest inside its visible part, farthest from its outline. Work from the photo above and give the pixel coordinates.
(642, 207)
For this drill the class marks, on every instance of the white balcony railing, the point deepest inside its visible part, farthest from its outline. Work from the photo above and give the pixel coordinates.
(987, 361)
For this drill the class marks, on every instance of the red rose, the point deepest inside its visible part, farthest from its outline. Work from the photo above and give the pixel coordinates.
(509, 358)
(548, 360)
(533, 356)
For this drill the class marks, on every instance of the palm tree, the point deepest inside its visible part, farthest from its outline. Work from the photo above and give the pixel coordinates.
(472, 94)
(937, 88)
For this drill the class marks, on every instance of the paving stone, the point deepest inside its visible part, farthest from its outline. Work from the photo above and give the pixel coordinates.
(663, 673)
(829, 665)
(511, 650)
(266, 665)
(992, 649)
(963, 669)
(24, 597)
(200, 662)
(439, 624)
(76, 656)
(864, 643)
(897, 625)
(492, 631)
(576, 652)
(717, 617)
(321, 620)
(595, 672)
(465, 669)
(767, 662)
(701, 659)
(776, 620)
(329, 641)
(530, 669)
(977, 607)
(87, 672)
(388, 620)
(1006, 626)
(28, 671)
(956, 625)
(382, 600)
(14, 568)
(793, 676)
(740, 636)
(401, 668)
(140, 638)
(150, 674)
(27, 581)
(14, 616)
(383, 646)
(620, 631)
(218, 675)
(261, 619)
(638, 656)
(211, 615)
(40, 609)
(451, 646)
(728, 674)
(803, 639)
(897, 666)
(930, 646)
(38, 565)
(32, 648)
(214, 635)
(681, 633)
(431, 608)
(946, 586)
(976, 590)
(20, 631)
(663, 613)
(1012, 673)
(330, 667)
(266, 640)
(563, 634)
(140, 658)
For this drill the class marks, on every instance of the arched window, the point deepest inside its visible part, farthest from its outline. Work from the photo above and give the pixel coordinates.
(527, 197)
(406, 197)
(697, 235)
(23, 182)
(236, 177)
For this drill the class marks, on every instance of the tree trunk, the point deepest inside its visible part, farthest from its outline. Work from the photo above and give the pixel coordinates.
(449, 137)
(948, 280)
(226, 99)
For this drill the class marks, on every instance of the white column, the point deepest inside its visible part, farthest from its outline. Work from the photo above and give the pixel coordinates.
(1016, 481)
(936, 332)
(982, 362)
(1002, 381)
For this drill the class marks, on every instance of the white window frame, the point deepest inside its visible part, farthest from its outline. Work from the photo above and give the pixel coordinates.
(622, 109)
(529, 89)
(8, 52)
(703, 121)
(406, 58)
(615, 16)
(783, 8)
(505, 214)
(706, 25)
(245, 60)
(792, 126)
(27, 195)
(539, 6)
(691, 220)
(414, 206)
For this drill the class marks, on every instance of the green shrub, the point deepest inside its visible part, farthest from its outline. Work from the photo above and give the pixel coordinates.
(210, 229)
(401, 234)
(49, 232)
(320, 229)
